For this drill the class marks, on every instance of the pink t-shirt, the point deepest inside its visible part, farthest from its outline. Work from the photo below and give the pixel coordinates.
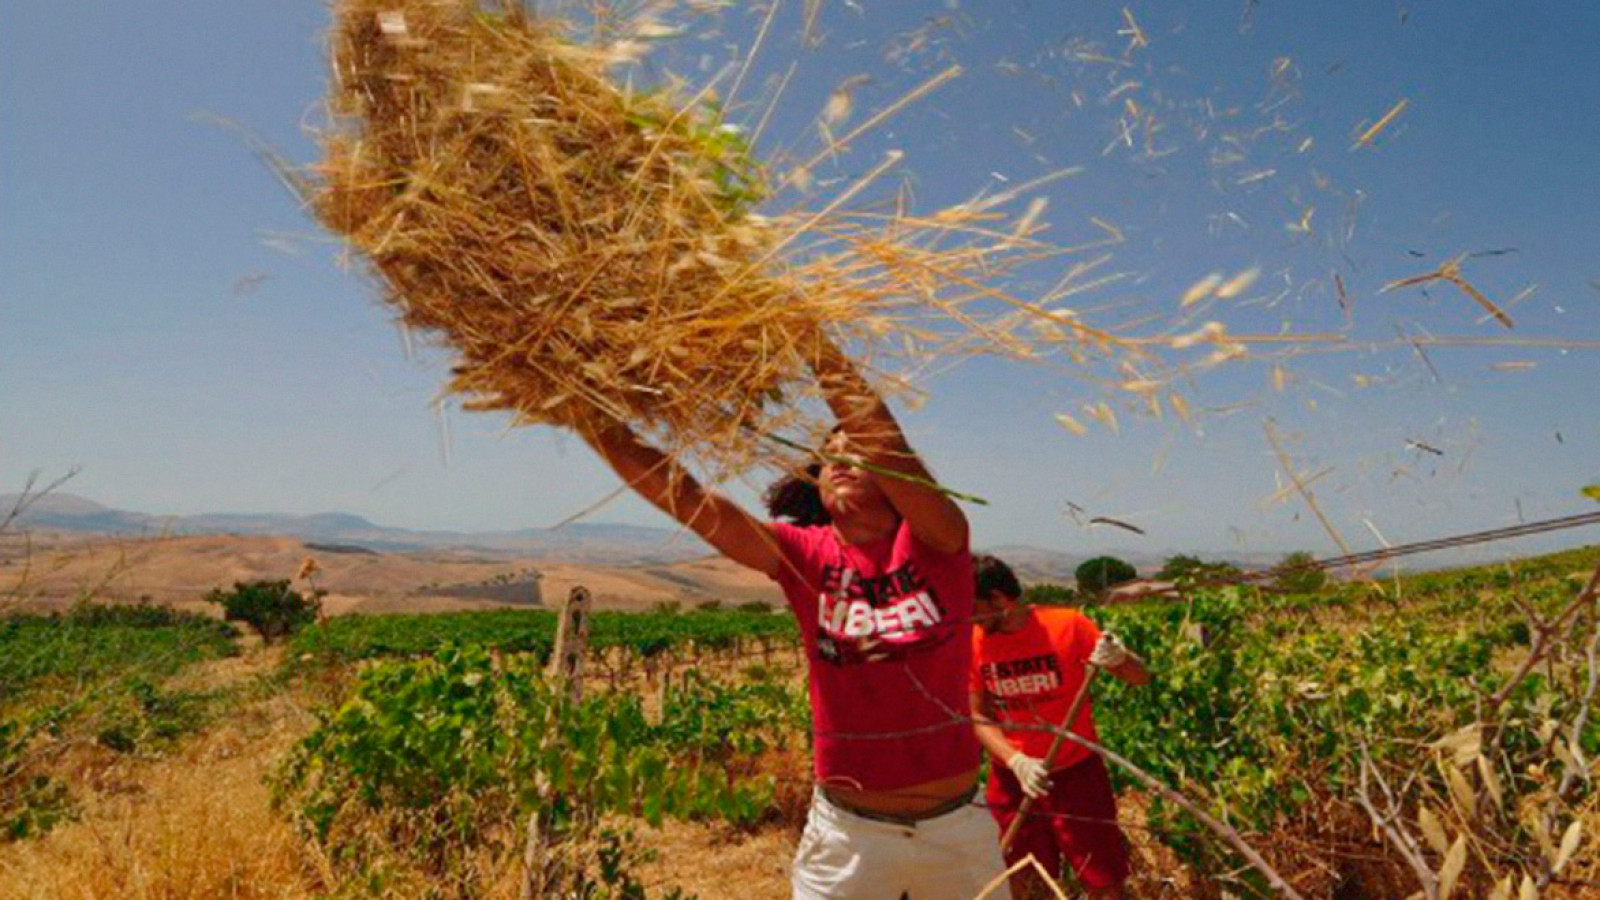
(886, 627)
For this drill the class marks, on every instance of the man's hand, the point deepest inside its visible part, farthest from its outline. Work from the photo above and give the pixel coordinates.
(1030, 771)
(1109, 652)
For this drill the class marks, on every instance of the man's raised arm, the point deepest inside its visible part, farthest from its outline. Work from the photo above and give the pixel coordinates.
(872, 431)
(661, 480)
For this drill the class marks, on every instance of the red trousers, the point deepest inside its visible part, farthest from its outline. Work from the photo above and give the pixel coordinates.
(1076, 820)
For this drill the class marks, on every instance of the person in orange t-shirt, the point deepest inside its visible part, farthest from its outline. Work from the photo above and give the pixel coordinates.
(1028, 664)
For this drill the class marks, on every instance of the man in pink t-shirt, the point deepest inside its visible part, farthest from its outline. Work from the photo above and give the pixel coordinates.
(873, 560)
(884, 622)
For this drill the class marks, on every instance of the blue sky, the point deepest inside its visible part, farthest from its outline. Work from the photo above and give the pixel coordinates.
(171, 324)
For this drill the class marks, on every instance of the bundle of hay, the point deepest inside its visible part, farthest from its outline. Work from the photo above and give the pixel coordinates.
(586, 251)
(582, 250)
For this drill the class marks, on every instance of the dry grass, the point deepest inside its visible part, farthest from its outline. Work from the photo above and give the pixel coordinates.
(587, 252)
(715, 864)
(179, 837)
(196, 824)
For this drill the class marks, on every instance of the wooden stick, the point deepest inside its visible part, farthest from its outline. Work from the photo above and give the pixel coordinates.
(1026, 862)
(1223, 830)
(1055, 748)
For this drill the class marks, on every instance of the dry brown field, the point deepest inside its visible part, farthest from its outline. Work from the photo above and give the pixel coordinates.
(52, 570)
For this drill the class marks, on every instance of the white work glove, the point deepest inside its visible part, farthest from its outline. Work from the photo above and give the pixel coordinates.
(1030, 771)
(1109, 652)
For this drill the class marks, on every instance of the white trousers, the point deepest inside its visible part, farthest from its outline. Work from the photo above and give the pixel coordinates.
(844, 856)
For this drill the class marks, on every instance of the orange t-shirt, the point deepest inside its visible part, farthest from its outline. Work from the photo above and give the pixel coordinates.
(1031, 675)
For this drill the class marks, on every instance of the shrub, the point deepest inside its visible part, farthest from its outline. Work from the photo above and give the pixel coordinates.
(1047, 594)
(1297, 573)
(46, 654)
(271, 608)
(1190, 569)
(437, 763)
(1102, 573)
(140, 714)
(31, 802)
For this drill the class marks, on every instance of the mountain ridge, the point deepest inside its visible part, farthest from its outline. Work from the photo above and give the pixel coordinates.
(578, 541)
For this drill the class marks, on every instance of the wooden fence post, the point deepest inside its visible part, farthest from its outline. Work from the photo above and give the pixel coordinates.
(566, 668)
(572, 638)
(535, 854)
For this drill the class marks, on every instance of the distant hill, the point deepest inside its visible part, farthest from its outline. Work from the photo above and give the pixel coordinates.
(580, 542)
(1033, 564)
(577, 542)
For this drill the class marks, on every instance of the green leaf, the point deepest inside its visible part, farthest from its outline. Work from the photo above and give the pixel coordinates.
(654, 802)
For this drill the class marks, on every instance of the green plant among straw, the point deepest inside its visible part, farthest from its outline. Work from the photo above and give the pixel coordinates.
(588, 252)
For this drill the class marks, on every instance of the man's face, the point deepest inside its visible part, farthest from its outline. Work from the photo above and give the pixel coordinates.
(846, 487)
(990, 610)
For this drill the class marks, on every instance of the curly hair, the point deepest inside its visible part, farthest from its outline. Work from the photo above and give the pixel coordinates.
(797, 498)
(991, 575)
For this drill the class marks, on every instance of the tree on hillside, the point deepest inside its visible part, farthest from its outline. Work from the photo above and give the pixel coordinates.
(1102, 573)
(1186, 568)
(1044, 593)
(271, 608)
(1297, 573)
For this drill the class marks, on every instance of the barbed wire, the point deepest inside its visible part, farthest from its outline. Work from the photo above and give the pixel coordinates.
(1384, 554)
